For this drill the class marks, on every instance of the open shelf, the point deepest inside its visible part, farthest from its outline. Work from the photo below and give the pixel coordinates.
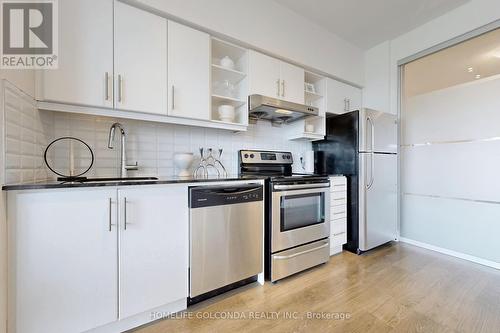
(228, 100)
(311, 97)
(221, 49)
(227, 122)
(220, 74)
(307, 136)
(229, 85)
(311, 77)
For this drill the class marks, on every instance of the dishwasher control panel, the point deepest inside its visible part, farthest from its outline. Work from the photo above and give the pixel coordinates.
(205, 196)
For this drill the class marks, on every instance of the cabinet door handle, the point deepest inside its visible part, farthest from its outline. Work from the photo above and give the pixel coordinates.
(120, 88)
(110, 217)
(348, 104)
(125, 213)
(282, 88)
(278, 87)
(173, 97)
(106, 82)
(345, 104)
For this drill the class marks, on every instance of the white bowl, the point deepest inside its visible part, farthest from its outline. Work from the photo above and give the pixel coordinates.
(183, 162)
(226, 112)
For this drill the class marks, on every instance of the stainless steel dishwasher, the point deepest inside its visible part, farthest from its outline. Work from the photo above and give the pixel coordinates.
(226, 226)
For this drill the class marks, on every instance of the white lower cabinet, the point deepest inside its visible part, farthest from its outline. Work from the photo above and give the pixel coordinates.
(76, 265)
(153, 247)
(65, 276)
(338, 213)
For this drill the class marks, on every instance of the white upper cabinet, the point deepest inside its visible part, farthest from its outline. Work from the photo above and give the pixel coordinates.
(85, 72)
(274, 78)
(140, 60)
(64, 246)
(342, 98)
(292, 83)
(188, 72)
(153, 247)
(264, 74)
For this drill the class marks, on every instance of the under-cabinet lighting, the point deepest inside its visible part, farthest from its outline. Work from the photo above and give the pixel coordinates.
(283, 111)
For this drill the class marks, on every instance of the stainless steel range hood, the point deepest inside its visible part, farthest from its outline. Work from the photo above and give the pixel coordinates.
(277, 111)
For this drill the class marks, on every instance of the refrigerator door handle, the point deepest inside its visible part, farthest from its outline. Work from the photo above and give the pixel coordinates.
(372, 139)
(372, 167)
(372, 157)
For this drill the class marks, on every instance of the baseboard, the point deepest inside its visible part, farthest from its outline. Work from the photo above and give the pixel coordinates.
(452, 253)
(142, 319)
(335, 249)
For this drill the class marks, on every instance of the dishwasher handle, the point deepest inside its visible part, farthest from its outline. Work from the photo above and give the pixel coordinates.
(236, 191)
(205, 196)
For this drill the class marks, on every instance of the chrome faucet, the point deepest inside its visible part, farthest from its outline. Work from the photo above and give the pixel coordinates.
(123, 157)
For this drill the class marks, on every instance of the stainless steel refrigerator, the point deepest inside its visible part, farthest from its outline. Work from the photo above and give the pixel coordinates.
(362, 145)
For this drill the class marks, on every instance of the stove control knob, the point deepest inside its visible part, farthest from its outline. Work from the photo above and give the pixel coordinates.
(252, 155)
(246, 155)
(283, 157)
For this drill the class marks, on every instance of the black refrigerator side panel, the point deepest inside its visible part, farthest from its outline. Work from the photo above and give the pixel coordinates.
(340, 153)
(340, 146)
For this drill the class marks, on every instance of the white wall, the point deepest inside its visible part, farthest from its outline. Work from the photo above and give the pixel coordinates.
(266, 25)
(377, 73)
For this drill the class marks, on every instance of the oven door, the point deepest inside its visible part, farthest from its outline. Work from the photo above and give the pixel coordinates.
(299, 215)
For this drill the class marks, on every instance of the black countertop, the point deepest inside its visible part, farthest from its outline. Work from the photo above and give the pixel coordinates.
(170, 180)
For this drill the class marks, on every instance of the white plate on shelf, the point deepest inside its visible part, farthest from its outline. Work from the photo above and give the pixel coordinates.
(226, 112)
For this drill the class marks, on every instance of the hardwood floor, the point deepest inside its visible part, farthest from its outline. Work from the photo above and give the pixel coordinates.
(396, 288)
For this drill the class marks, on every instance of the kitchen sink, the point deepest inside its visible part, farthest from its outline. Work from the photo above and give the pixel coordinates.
(117, 179)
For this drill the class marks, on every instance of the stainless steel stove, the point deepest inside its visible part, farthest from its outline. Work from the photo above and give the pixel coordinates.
(297, 213)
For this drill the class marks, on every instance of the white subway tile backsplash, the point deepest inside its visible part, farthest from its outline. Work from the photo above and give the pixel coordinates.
(26, 131)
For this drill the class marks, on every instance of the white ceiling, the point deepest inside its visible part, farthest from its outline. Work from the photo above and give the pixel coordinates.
(366, 23)
(450, 66)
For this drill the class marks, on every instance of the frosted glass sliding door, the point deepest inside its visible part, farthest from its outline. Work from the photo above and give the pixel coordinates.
(450, 167)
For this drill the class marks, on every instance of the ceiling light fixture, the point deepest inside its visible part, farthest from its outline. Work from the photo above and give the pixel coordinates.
(496, 53)
(470, 69)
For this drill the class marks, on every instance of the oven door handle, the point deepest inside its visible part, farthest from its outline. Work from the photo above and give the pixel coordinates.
(300, 186)
(301, 253)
